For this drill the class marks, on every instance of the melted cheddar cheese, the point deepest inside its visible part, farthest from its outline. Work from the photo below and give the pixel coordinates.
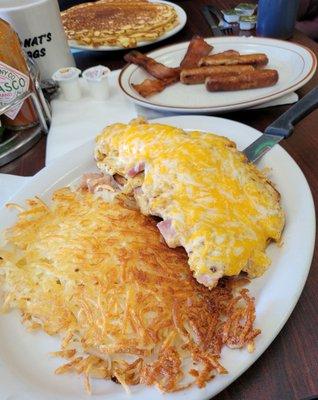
(216, 205)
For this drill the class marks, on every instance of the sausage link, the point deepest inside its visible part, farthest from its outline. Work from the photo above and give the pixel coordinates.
(190, 76)
(258, 59)
(249, 80)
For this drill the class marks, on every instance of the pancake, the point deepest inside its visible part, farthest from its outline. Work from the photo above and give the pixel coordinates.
(118, 23)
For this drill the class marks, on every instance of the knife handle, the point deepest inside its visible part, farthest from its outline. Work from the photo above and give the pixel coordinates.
(284, 125)
(216, 12)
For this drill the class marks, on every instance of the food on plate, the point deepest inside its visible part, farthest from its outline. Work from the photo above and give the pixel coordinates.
(125, 306)
(166, 76)
(150, 87)
(154, 68)
(197, 75)
(197, 49)
(227, 53)
(118, 23)
(259, 59)
(247, 80)
(211, 200)
(199, 66)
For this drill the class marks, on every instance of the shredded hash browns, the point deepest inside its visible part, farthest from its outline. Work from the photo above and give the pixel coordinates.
(125, 305)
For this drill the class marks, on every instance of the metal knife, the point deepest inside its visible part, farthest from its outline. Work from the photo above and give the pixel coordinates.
(282, 127)
(217, 13)
(213, 25)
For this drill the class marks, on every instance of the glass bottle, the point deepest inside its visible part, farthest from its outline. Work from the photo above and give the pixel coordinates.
(14, 80)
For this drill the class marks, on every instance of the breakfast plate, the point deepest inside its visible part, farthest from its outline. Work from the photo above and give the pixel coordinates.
(26, 368)
(295, 64)
(182, 17)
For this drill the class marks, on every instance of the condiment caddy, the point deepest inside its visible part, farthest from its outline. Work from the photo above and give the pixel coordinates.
(22, 104)
(242, 14)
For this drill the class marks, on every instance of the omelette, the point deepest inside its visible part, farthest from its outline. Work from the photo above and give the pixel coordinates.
(210, 199)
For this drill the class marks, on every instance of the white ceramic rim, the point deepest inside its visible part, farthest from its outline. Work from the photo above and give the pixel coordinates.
(52, 177)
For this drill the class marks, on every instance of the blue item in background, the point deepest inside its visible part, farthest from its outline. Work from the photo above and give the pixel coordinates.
(276, 18)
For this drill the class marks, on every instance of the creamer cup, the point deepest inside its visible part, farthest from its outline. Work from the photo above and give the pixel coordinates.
(247, 22)
(97, 81)
(68, 80)
(247, 9)
(231, 16)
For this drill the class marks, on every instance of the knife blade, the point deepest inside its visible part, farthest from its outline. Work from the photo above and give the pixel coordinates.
(261, 146)
(283, 126)
(207, 15)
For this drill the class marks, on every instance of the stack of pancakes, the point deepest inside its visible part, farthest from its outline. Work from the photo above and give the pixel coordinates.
(121, 23)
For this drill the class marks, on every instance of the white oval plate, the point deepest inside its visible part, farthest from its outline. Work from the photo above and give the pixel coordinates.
(26, 369)
(182, 16)
(296, 65)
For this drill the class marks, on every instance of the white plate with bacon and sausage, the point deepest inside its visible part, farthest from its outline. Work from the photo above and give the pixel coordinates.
(216, 75)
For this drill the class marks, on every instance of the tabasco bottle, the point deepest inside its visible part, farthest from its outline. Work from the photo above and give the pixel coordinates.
(14, 80)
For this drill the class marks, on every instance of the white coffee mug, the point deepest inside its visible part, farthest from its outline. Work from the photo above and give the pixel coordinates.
(39, 26)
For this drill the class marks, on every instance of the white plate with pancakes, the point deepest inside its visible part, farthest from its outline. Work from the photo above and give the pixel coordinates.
(26, 367)
(295, 64)
(177, 26)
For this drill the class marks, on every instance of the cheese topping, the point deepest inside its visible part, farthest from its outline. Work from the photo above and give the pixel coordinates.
(214, 203)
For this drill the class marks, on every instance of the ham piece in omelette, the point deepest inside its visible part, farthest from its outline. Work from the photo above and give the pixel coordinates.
(212, 201)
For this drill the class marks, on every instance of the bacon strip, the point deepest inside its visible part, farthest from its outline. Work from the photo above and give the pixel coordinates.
(197, 49)
(166, 76)
(154, 68)
(152, 86)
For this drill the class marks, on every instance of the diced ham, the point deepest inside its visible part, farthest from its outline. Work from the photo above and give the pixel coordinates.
(209, 281)
(95, 182)
(138, 191)
(206, 280)
(136, 169)
(168, 232)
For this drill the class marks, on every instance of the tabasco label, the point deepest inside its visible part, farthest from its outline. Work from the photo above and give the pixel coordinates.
(12, 84)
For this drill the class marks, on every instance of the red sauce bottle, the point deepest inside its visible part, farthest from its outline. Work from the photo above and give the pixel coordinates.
(14, 80)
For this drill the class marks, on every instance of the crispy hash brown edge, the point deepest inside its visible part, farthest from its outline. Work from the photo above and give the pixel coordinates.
(125, 305)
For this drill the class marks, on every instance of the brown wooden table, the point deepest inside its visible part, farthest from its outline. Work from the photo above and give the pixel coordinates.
(289, 368)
